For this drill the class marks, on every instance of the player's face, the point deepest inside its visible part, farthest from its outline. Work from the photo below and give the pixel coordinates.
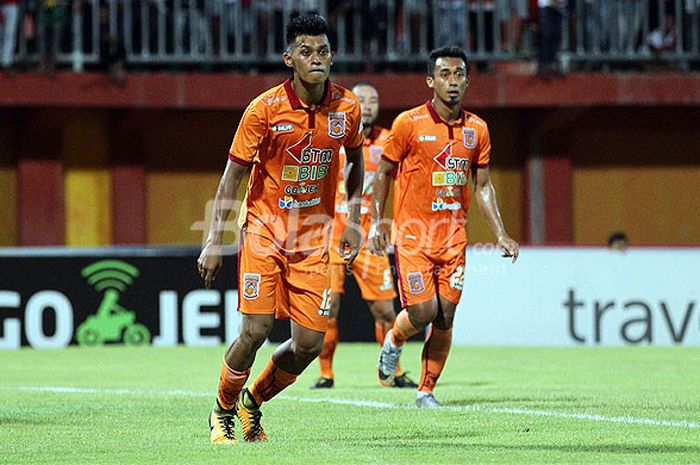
(369, 103)
(310, 57)
(449, 79)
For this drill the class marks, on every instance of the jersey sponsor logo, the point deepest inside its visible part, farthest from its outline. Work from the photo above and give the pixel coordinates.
(282, 127)
(251, 286)
(449, 162)
(288, 202)
(415, 282)
(427, 138)
(449, 191)
(469, 137)
(449, 178)
(303, 153)
(336, 124)
(302, 188)
(440, 205)
(270, 99)
(375, 153)
(304, 172)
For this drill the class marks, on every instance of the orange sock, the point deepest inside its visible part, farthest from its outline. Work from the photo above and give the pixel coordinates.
(381, 329)
(435, 351)
(403, 329)
(230, 384)
(271, 382)
(330, 341)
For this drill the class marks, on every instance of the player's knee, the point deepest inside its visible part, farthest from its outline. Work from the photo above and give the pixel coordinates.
(423, 314)
(253, 336)
(308, 349)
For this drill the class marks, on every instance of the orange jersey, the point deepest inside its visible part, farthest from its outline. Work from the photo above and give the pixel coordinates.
(434, 160)
(295, 152)
(372, 150)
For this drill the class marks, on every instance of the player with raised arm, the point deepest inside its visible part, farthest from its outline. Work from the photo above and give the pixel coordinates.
(433, 150)
(290, 136)
(372, 273)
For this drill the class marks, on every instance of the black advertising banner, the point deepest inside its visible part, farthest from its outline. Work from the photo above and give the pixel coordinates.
(51, 298)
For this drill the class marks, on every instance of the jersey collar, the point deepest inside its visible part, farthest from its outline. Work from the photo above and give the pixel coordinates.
(436, 117)
(296, 102)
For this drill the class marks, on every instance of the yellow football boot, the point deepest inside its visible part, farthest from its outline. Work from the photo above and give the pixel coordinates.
(249, 414)
(221, 425)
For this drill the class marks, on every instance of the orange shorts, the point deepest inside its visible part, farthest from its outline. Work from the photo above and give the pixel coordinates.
(372, 273)
(289, 285)
(422, 275)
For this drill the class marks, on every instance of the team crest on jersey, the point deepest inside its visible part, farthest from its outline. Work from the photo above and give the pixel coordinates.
(375, 153)
(469, 137)
(415, 282)
(251, 286)
(336, 124)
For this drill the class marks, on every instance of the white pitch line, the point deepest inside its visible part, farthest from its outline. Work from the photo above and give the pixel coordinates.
(364, 403)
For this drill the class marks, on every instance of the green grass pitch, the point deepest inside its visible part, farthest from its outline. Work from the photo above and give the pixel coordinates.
(118, 405)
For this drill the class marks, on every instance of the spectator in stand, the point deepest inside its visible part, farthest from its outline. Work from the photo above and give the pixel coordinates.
(629, 24)
(112, 51)
(51, 16)
(513, 14)
(551, 13)
(663, 38)
(10, 19)
(450, 18)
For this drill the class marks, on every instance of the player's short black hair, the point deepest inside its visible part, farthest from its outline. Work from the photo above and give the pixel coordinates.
(306, 25)
(617, 236)
(453, 51)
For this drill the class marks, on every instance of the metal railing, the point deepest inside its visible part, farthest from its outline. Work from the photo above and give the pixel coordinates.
(240, 33)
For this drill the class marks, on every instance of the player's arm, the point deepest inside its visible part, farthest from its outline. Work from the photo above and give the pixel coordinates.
(379, 230)
(486, 198)
(209, 261)
(354, 172)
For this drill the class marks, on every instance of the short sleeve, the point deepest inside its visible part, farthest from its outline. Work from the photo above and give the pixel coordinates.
(484, 148)
(355, 138)
(249, 135)
(399, 140)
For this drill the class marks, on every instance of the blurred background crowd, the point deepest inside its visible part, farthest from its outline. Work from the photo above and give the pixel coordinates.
(367, 35)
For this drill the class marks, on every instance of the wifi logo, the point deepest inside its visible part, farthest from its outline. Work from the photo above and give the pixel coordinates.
(111, 322)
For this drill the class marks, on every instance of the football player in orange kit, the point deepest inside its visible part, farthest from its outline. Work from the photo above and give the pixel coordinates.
(372, 273)
(433, 150)
(291, 136)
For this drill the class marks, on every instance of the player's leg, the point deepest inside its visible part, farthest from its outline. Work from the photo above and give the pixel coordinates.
(439, 340)
(306, 288)
(384, 317)
(435, 351)
(418, 293)
(259, 276)
(330, 341)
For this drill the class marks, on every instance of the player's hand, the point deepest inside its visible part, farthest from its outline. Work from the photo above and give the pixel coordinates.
(209, 263)
(509, 247)
(378, 240)
(350, 242)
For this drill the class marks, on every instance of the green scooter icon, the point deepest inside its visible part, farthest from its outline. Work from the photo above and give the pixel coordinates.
(112, 322)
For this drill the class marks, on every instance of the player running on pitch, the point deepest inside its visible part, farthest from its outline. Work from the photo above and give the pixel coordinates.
(372, 273)
(433, 149)
(291, 136)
